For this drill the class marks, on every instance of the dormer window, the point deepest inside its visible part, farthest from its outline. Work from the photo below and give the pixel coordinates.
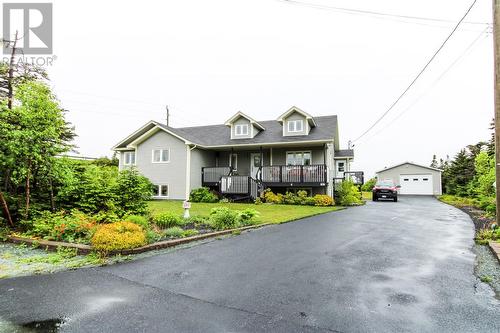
(241, 129)
(295, 126)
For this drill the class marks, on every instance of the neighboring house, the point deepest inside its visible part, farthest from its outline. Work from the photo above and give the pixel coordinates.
(241, 157)
(413, 178)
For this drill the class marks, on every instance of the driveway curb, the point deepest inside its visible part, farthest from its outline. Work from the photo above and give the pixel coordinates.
(85, 249)
(495, 248)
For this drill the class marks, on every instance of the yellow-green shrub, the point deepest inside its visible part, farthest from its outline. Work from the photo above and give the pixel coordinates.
(323, 200)
(270, 197)
(118, 236)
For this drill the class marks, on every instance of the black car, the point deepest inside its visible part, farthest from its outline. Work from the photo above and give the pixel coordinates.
(385, 190)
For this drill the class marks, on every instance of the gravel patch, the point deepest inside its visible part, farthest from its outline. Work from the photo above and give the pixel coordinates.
(487, 267)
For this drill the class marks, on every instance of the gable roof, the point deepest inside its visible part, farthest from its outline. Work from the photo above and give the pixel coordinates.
(218, 136)
(293, 109)
(250, 119)
(415, 164)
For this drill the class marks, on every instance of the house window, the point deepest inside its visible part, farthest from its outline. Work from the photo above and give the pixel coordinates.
(341, 166)
(160, 191)
(129, 158)
(240, 130)
(298, 158)
(233, 161)
(161, 155)
(406, 179)
(295, 126)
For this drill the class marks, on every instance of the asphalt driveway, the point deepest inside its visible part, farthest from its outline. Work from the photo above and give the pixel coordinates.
(383, 267)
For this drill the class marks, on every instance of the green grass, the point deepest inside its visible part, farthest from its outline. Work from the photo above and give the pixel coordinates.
(457, 201)
(268, 213)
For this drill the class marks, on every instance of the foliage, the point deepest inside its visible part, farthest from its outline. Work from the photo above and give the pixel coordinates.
(369, 185)
(132, 191)
(168, 220)
(270, 197)
(485, 235)
(248, 216)
(4, 233)
(174, 232)
(139, 220)
(323, 200)
(73, 227)
(349, 194)
(118, 236)
(199, 220)
(190, 233)
(203, 194)
(258, 201)
(223, 218)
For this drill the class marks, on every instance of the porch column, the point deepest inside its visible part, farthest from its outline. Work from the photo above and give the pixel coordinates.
(271, 156)
(188, 171)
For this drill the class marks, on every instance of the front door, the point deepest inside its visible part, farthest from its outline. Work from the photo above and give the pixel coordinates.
(255, 163)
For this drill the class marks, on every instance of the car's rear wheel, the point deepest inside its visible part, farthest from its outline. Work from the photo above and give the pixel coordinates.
(395, 199)
(374, 197)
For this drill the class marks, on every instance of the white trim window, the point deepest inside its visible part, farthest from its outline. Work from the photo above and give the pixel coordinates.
(129, 158)
(241, 129)
(295, 126)
(298, 158)
(161, 156)
(341, 166)
(233, 161)
(160, 191)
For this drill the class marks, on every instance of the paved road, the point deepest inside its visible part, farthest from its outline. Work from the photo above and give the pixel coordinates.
(384, 267)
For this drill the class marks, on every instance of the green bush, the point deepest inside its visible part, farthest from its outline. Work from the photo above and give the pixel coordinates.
(199, 220)
(118, 236)
(483, 236)
(190, 233)
(369, 185)
(73, 227)
(323, 200)
(248, 216)
(132, 192)
(203, 194)
(223, 218)
(174, 232)
(270, 197)
(139, 220)
(168, 220)
(349, 194)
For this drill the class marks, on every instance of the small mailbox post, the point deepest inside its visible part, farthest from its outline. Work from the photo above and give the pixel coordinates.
(186, 205)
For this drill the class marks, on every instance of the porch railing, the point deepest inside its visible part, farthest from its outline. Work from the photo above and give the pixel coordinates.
(316, 173)
(239, 185)
(213, 174)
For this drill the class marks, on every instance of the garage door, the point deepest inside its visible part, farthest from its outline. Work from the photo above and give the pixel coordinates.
(416, 184)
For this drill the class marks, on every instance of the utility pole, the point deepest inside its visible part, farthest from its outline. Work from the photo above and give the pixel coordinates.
(168, 116)
(496, 50)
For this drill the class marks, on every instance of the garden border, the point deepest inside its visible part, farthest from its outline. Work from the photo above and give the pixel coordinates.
(495, 248)
(85, 249)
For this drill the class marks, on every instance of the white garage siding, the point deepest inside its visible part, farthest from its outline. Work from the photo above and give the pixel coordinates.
(413, 178)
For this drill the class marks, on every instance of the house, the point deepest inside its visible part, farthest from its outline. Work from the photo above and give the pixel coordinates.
(413, 178)
(241, 157)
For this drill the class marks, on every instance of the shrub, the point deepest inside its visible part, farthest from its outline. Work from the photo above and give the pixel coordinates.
(168, 220)
(203, 194)
(272, 198)
(174, 232)
(190, 233)
(132, 192)
(349, 194)
(310, 201)
(248, 216)
(199, 220)
(73, 227)
(323, 200)
(118, 236)
(258, 201)
(369, 185)
(139, 220)
(223, 218)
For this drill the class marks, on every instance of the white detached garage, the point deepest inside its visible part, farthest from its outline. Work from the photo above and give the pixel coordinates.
(413, 178)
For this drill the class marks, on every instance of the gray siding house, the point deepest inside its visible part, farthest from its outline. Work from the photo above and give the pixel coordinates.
(240, 157)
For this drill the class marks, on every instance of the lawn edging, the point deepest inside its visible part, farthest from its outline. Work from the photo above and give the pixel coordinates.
(495, 248)
(86, 249)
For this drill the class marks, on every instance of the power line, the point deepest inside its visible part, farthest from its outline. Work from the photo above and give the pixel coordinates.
(356, 11)
(418, 75)
(443, 74)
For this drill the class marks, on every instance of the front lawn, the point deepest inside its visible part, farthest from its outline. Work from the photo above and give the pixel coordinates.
(268, 213)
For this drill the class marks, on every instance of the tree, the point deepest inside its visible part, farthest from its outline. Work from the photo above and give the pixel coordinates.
(434, 163)
(33, 133)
